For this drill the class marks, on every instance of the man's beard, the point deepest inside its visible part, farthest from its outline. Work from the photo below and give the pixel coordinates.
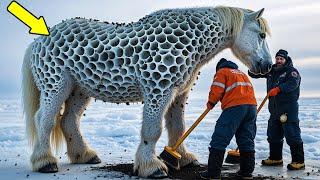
(278, 66)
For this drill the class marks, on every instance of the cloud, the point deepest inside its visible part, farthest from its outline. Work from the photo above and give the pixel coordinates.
(308, 62)
(292, 10)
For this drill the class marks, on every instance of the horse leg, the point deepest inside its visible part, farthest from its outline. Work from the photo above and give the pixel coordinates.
(175, 125)
(42, 159)
(78, 149)
(147, 163)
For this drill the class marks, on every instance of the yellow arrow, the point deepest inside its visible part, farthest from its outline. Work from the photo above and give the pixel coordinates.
(36, 25)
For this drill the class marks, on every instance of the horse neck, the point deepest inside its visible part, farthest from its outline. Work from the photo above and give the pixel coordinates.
(223, 40)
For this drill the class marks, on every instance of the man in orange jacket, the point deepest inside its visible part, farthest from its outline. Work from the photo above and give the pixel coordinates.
(234, 89)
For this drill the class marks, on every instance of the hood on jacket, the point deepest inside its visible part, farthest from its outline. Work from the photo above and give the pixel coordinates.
(289, 62)
(226, 64)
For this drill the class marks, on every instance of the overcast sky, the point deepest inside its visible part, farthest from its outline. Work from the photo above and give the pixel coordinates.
(295, 26)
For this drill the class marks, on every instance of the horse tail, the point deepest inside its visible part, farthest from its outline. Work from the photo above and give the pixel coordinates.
(57, 137)
(30, 96)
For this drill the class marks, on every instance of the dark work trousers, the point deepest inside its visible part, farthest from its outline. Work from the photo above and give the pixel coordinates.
(290, 129)
(239, 121)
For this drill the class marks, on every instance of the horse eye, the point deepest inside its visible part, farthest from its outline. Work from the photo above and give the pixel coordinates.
(263, 35)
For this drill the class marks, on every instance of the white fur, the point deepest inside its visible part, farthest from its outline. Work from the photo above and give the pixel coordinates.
(175, 125)
(30, 95)
(78, 149)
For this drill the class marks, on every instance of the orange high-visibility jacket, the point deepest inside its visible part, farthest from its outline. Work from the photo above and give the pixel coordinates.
(232, 87)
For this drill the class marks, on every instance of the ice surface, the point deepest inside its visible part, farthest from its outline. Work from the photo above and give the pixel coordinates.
(113, 131)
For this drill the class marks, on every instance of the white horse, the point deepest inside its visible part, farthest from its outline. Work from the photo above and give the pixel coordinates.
(154, 60)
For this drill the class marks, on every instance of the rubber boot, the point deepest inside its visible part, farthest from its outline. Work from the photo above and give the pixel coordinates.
(214, 164)
(247, 162)
(297, 155)
(275, 157)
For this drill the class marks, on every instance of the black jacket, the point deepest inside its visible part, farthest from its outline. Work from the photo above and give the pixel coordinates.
(287, 79)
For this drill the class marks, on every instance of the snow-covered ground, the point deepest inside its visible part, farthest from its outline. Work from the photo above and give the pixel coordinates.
(113, 131)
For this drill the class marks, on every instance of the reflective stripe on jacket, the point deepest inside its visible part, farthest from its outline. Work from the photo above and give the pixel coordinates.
(232, 87)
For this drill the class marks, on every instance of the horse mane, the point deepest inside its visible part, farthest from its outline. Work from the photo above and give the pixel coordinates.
(263, 23)
(232, 18)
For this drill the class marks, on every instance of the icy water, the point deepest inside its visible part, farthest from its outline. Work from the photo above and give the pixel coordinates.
(113, 131)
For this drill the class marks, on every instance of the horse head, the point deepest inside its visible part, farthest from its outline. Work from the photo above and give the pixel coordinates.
(250, 45)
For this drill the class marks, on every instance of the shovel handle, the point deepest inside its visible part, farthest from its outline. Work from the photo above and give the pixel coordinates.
(183, 137)
(263, 102)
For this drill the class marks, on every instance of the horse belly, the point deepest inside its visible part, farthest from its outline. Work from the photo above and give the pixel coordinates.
(114, 88)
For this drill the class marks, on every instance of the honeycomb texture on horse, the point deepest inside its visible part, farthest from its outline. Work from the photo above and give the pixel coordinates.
(122, 62)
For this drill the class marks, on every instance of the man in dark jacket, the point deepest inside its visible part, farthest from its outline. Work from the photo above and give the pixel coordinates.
(235, 92)
(283, 85)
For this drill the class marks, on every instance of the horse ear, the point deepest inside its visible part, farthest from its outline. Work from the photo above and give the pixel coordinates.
(256, 15)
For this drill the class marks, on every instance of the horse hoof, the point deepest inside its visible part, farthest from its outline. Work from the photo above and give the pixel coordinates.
(193, 164)
(158, 174)
(94, 160)
(49, 168)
